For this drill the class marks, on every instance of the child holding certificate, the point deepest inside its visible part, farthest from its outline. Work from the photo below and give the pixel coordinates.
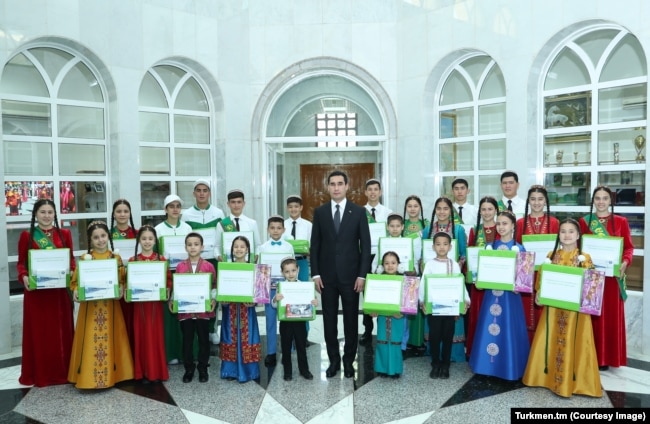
(390, 329)
(101, 355)
(500, 347)
(609, 327)
(198, 323)
(293, 332)
(537, 220)
(563, 354)
(240, 348)
(441, 327)
(149, 335)
(48, 326)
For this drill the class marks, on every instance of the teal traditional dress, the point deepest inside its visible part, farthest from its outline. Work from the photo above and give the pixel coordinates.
(415, 328)
(388, 353)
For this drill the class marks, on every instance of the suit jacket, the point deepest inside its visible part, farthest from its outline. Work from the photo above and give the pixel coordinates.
(343, 256)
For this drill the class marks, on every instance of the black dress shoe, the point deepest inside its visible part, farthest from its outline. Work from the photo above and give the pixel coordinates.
(444, 373)
(307, 375)
(603, 368)
(203, 375)
(366, 339)
(348, 370)
(332, 370)
(435, 372)
(287, 377)
(188, 376)
(270, 360)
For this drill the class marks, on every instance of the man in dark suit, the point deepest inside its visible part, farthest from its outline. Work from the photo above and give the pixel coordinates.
(340, 259)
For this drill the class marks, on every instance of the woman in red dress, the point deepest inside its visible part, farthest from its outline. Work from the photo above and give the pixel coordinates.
(537, 220)
(48, 326)
(483, 234)
(609, 327)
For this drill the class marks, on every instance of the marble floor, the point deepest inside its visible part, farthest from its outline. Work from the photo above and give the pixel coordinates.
(366, 398)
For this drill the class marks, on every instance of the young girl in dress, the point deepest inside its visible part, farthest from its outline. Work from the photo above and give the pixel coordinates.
(414, 225)
(563, 355)
(390, 329)
(484, 233)
(609, 327)
(101, 355)
(239, 357)
(149, 335)
(537, 220)
(500, 347)
(48, 326)
(122, 228)
(196, 323)
(443, 220)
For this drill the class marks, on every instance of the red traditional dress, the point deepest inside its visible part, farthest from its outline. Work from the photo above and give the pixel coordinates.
(486, 235)
(48, 326)
(540, 225)
(101, 355)
(149, 357)
(563, 357)
(127, 308)
(609, 327)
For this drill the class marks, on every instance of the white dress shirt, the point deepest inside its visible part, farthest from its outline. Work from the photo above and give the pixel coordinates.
(381, 212)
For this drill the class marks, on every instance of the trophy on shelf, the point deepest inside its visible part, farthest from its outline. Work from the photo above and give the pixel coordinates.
(639, 145)
(616, 154)
(575, 159)
(558, 157)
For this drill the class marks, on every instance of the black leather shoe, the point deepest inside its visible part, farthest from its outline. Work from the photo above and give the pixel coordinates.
(366, 339)
(435, 373)
(287, 377)
(203, 375)
(270, 360)
(188, 376)
(307, 375)
(348, 370)
(332, 370)
(444, 373)
(603, 368)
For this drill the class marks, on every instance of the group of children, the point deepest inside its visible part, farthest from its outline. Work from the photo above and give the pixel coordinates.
(115, 340)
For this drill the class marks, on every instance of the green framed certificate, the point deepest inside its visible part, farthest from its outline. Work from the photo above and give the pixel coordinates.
(382, 294)
(403, 246)
(541, 244)
(444, 294)
(173, 248)
(606, 253)
(146, 281)
(98, 279)
(300, 247)
(209, 241)
(561, 286)
(496, 269)
(428, 253)
(192, 293)
(377, 231)
(296, 305)
(472, 262)
(236, 282)
(226, 242)
(48, 268)
(273, 260)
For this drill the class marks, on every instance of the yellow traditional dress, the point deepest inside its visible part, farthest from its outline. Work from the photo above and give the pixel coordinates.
(563, 355)
(101, 354)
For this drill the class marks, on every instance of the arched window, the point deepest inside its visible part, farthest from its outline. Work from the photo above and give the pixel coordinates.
(593, 121)
(54, 124)
(471, 130)
(175, 128)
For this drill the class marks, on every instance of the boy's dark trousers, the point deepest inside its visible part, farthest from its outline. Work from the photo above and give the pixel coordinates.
(200, 327)
(296, 332)
(441, 329)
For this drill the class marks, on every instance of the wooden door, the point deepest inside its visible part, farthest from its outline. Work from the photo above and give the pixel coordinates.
(313, 184)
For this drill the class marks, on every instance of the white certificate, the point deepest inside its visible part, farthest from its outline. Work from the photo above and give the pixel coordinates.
(383, 291)
(496, 269)
(126, 247)
(226, 242)
(98, 279)
(296, 292)
(377, 230)
(236, 283)
(561, 286)
(174, 250)
(49, 268)
(191, 291)
(403, 246)
(444, 294)
(428, 253)
(605, 252)
(209, 241)
(274, 260)
(145, 280)
(541, 245)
